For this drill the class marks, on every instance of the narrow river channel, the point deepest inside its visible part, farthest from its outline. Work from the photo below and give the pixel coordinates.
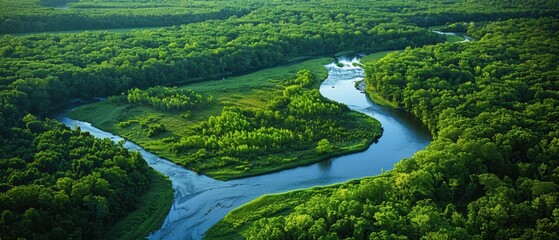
(200, 201)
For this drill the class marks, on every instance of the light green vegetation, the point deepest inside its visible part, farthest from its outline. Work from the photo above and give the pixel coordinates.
(258, 81)
(217, 38)
(374, 57)
(378, 99)
(371, 58)
(152, 209)
(239, 223)
(253, 124)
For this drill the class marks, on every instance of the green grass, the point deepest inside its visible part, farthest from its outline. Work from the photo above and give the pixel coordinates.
(375, 56)
(152, 209)
(237, 224)
(307, 157)
(255, 87)
(249, 91)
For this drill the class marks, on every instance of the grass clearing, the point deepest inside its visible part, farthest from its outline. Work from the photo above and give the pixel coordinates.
(375, 56)
(436, 28)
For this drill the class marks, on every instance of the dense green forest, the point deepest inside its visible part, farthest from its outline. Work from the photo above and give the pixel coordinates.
(41, 72)
(21, 16)
(491, 172)
(58, 183)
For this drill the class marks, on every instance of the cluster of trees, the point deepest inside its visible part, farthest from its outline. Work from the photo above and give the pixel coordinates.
(55, 15)
(247, 136)
(492, 170)
(164, 98)
(22, 16)
(41, 72)
(57, 183)
(52, 69)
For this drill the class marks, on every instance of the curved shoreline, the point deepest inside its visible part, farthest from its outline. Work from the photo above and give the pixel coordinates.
(200, 201)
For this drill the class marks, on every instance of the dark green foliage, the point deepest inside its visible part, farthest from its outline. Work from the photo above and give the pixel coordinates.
(492, 171)
(64, 184)
(20, 16)
(491, 105)
(52, 69)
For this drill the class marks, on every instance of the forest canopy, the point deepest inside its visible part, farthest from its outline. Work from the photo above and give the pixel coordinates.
(491, 172)
(58, 183)
(491, 105)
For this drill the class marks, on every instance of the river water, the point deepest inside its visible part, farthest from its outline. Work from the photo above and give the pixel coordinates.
(201, 201)
(466, 37)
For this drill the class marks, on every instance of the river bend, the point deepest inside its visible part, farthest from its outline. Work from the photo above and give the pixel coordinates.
(201, 201)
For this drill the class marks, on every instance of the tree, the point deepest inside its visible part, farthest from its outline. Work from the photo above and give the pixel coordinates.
(324, 146)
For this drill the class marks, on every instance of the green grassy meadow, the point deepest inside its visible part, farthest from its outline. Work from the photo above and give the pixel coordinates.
(374, 57)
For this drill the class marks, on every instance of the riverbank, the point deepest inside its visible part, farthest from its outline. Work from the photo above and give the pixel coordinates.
(152, 210)
(254, 93)
(200, 202)
(340, 87)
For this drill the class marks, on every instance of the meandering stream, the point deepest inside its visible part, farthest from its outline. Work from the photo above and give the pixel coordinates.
(201, 201)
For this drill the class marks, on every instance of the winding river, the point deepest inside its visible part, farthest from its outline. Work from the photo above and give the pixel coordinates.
(201, 201)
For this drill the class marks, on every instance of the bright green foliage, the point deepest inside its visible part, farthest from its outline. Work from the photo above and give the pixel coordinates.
(490, 173)
(324, 146)
(248, 133)
(242, 132)
(164, 98)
